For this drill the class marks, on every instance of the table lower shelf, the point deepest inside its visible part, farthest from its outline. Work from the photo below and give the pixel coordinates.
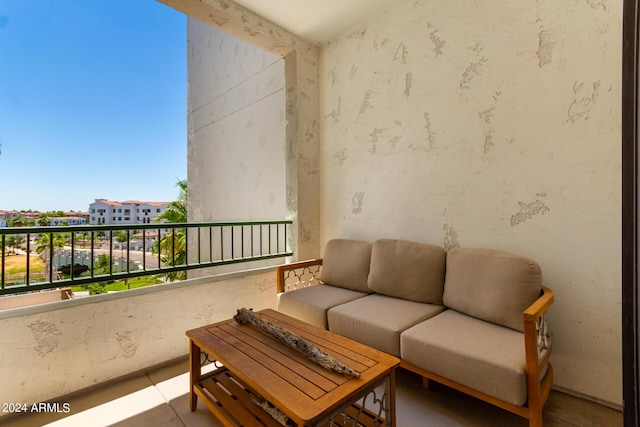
(235, 404)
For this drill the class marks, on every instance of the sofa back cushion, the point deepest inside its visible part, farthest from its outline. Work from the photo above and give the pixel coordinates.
(345, 264)
(491, 285)
(409, 270)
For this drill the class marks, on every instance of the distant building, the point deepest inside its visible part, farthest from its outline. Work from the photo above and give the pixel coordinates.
(84, 215)
(68, 220)
(7, 215)
(104, 211)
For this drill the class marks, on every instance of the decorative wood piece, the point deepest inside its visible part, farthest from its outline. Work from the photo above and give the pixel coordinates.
(275, 413)
(296, 342)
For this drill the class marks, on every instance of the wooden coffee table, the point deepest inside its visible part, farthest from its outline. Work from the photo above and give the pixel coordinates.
(252, 366)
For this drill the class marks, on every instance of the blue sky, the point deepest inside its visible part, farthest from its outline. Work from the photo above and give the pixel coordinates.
(93, 102)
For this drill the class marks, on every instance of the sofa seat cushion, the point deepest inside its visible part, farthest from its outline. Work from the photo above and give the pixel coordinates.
(378, 320)
(491, 285)
(311, 303)
(408, 270)
(470, 351)
(346, 263)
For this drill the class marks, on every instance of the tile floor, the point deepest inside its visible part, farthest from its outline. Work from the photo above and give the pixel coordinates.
(160, 398)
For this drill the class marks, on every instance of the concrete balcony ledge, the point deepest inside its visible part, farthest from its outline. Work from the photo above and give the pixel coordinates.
(55, 349)
(8, 302)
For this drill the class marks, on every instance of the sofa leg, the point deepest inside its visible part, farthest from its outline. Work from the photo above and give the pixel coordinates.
(535, 419)
(425, 383)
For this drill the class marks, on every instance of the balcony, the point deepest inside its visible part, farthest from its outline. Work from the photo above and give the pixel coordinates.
(120, 358)
(57, 348)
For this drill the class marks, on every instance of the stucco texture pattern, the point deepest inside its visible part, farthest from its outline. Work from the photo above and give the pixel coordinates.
(489, 124)
(80, 343)
(237, 128)
(253, 128)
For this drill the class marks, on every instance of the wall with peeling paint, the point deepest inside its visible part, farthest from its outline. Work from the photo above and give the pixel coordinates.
(492, 124)
(236, 111)
(52, 350)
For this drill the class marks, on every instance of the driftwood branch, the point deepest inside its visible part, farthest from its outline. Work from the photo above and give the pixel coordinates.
(271, 409)
(296, 342)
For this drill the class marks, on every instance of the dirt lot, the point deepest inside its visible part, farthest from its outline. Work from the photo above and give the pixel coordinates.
(17, 264)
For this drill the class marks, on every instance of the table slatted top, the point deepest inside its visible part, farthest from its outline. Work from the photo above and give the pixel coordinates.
(303, 389)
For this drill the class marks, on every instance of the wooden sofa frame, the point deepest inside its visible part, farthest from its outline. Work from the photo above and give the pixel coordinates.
(536, 342)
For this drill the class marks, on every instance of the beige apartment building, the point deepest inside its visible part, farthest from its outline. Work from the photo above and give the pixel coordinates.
(109, 212)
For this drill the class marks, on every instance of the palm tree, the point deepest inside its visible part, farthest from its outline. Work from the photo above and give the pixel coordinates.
(176, 211)
(173, 247)
(83, 237)
(121, 236)
(44, 220)
(44, 242)
(16, 221)
(15, 241)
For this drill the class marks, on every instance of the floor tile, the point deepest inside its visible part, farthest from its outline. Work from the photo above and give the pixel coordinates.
(159, 397)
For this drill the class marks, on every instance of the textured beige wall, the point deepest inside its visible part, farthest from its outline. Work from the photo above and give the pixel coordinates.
(301, 116)
(52, 350)
(467, 123)
(493, 124)
(237, 139)
(236, 113)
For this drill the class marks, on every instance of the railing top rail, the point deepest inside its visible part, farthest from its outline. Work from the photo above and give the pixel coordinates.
(151, 226)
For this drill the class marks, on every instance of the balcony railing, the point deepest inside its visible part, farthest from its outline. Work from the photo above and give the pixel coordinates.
(134, 250)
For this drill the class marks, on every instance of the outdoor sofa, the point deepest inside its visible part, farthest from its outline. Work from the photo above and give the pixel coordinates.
(470, 318)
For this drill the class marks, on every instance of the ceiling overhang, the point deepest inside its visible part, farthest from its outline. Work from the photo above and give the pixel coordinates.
(316, 21)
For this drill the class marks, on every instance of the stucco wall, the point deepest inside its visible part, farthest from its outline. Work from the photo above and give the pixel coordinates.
(253, 121)
(237, 138)
(236, 155)
(49, 351)
(492, 124)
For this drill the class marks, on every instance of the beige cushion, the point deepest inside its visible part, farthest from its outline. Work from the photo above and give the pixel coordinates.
(311, 303)
(346, 264)
(378, 320)
(472, 352)
(491, 285)
(408, 270)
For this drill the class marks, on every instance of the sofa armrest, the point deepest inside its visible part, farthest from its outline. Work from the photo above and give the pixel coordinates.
(298, 274)
(535, 325)
(537, 343)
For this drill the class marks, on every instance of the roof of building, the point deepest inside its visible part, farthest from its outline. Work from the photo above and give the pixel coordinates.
(129, 202)
(66, 218)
